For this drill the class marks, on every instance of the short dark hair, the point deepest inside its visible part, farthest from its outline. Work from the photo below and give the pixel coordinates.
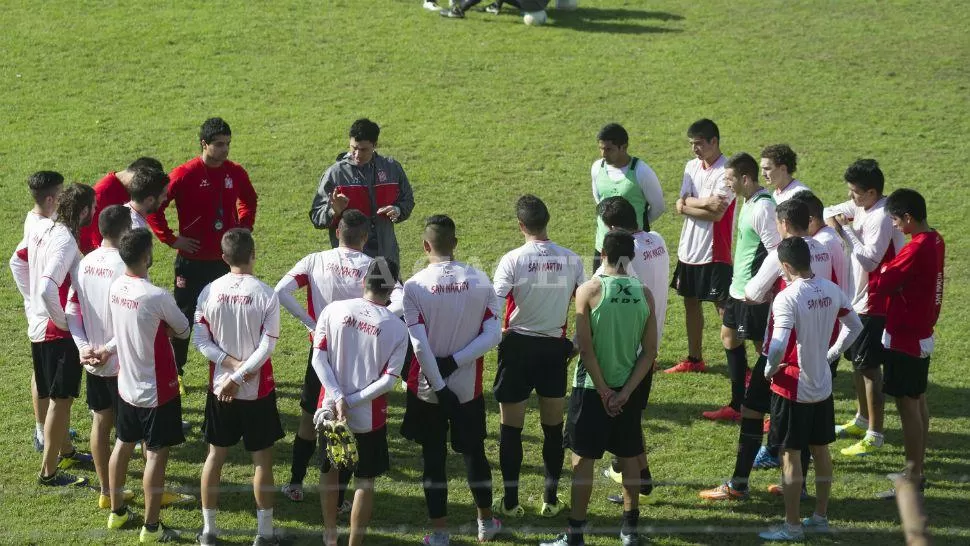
(146, 163)
(382, 276)
(354, 227)
(616, 211)
(781, 154)
(74, 199)
(815, 206)
(794, 212)
(618, 246)
(213, 127)
(365, 129)
(615, 133)
(113, 221)
(439, 232)
(44, 184)
(134, 244)
(906, 201)
(238, 246)
(743, 165)
(704, 128)
(147, 183)
(532, 212)
(794, 251)
(866, 175)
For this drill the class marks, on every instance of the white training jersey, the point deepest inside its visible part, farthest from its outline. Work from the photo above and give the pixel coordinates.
(137, 220)
(140, 314)
(91, 302)
(841, 272)
(52, 253)
(651, 266)
(19, 268)
(793, 187)
(457, 306)
(329, 276)
(236, 312)
(770, 277)
(363, 343)
(537, 282)
(702, 241)
(810, 309)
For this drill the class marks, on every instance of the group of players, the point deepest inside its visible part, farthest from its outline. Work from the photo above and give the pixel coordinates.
(805, 284)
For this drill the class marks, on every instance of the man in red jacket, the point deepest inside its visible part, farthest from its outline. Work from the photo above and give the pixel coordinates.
(212, 195)
(111, 190)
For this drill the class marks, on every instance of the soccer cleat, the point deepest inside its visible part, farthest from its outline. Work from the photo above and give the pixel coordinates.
(104, 501)
(341, 445)
(724, 492)
(764, 459)
(493, 8)
(62, 479)
(431, 5)
(276, 540)
(562, 540)
(890, 494)
(551, 510)
(727, 413)
(116, 522)
(73, 459)
(345, 508)
(816, 524)
(687, 365)
(171, 498)
(629, 539)
(778, 490)
(849, 430)
(499, 507)
(162, 534)
(453, 13)
(437, 538)
(613, 474)
(488, 528)
(784, 533)
(207, 539)
(865, 446)
(293, 491)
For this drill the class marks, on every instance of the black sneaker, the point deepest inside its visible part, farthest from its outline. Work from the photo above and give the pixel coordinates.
(890, 494)
(493, 8)
(62, 479)
(453, 13)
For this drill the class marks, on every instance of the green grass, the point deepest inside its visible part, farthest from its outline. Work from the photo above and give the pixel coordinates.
(480, 111)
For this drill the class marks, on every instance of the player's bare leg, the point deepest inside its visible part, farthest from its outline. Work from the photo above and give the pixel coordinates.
(875, 399)
(823, 478)
(361, 513)
(212, 476)
(101, 426)
(264, 490)
(694, 317)
(329, 487)
(153, 483)
(55, 434)
(792, 478)
(118, 472)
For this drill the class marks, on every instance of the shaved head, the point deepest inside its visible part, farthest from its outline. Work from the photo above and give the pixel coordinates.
(439, 233)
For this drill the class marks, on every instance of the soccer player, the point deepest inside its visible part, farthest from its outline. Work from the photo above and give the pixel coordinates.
(450, 309)
(148, 189)
(913, 282)
(89, 318)
(52, 261)
(359, 348)
(802, 409)
(617, 333)
(757, 234)
(703, 271)
(211, 195)
(778, 163)
(537, 282)
(617, 173)
(328, 276)
(818, 230)
(370, 183)
(143, 317)
(868, 231)
(112, 189)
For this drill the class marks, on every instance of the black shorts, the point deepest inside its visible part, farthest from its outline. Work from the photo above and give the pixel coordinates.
(424, 422)
(834, 367)
(706, 282)
(800, 425)
(647, 386)
(749, 320)
(867, 352)
(904, 375)
(257, 422)
(531, 362)
(590, 431)
(757, 397)
(57, 368)
(310, 395)
(159, 427)
(102, 392)
(191, 276)
(375, 458)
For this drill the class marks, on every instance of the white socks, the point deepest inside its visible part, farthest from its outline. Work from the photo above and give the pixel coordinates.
(209, 521)
(861, 422)
(876, 437)
(39, 431)
(264, 523)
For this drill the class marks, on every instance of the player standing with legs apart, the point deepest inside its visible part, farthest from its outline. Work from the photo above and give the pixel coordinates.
(802, 408)
(143, 317)
(617, 333)
(703, 271)
(359, 348)
(778, 164)
(149, 190)
(237, 323)
(112, 189)
(617, 173)
(651, 266)
(212, 195)
(868, 231)
(757, 234)
(537, 282)
(450, 309)
(89, 318)
(913, 282)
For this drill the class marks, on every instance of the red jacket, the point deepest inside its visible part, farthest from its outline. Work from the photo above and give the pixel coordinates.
(108, 191)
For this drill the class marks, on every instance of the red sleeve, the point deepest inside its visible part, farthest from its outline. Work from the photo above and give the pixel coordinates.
(157, 220)
(246, 204)
(89, 238)
(900, 269)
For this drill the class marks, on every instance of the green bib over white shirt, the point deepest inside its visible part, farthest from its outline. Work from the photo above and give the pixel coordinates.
(617, 324)
(749, 249)
(627, 188)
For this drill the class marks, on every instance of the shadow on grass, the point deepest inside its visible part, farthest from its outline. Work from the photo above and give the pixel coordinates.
(614, 21)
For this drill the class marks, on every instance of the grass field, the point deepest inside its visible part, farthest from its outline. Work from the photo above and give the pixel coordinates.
(480, 111)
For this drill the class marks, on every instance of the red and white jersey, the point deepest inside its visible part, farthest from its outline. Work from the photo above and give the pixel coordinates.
(873, 242)
(92, 301)
(793, 187)
(140, 313)
(329, 276)
(537, 281)
(702, 241)
(236, 311)
(137, 220)
(19, 268)
(809, 308)
(455, 303)
(770, 277)
(841, 272)
(364, 343)
(52, 253)
(651, 266)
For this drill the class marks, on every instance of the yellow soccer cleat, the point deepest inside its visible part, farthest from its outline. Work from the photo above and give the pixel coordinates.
(104, 501)
(865, 446)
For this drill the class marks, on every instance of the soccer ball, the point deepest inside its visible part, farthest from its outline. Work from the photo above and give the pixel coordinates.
(534, 18)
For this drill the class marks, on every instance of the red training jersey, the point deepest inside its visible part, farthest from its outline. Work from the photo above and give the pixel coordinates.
(107, 191)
